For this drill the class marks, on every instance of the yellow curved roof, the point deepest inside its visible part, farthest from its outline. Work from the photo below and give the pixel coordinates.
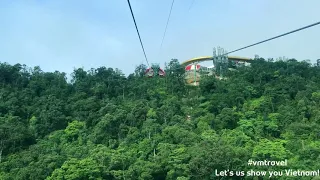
(208, 58)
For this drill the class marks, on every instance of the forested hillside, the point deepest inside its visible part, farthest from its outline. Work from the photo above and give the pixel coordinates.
(103, 125)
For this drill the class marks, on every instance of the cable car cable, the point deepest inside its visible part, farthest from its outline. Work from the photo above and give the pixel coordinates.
(314, 24)
(191, 5)
(138, 32)
(165, 30)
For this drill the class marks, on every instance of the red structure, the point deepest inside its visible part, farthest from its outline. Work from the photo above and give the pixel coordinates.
(150, 72)
(192, 67)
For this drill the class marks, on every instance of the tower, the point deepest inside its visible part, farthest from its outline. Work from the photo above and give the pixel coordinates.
(220, 61)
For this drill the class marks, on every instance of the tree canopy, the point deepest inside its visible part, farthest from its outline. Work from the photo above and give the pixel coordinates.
(104, 125)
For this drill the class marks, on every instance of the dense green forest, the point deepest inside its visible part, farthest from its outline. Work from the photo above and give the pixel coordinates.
(104, 125)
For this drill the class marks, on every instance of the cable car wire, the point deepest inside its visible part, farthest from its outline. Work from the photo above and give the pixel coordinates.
(191, 5)
(165, 30)
(305, 27)
(314, 24)
(138, 32)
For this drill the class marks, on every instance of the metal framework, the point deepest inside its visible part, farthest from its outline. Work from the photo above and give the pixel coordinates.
(220, 60)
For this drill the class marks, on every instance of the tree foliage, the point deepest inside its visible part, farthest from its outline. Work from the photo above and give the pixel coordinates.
(103, 125)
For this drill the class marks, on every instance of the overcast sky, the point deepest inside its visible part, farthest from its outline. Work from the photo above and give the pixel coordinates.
(67, 34)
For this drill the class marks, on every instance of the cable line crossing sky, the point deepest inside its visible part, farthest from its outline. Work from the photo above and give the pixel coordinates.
(305, 27)
(165, 30)
(138, 32)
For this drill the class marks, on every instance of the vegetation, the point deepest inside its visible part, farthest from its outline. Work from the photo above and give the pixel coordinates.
(103, 125)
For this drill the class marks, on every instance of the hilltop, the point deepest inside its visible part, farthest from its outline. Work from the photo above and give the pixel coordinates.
(103, 125)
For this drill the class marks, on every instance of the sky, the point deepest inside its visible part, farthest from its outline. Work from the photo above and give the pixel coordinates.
(67, 34)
